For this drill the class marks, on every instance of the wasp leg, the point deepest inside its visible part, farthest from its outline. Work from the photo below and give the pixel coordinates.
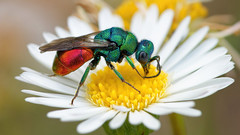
(157, 58)
(130, 62)
(92, 65)
(120, 76)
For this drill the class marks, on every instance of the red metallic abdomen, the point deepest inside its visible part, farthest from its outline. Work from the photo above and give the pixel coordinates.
(68, 61)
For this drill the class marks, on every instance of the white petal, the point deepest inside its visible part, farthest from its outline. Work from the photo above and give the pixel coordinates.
(149, 22)
(220, 83)
(44, 58)
(197, 53)
(158, 110)
(76, 114)
(200, 91)
(95, 122)
(188, 112)
(107, 19)
(84, 114)
(199, 62)
(60, 79)
(57, 102)
(47, 83)
(43, 94)
(118, 120)
(29, 70)
(174, 40)
(175, 105)
(161, 30)
(72, 111)
(135, 117)
(185, 48)
(183, 108)
(62, 33)
(76, 75)
(151, 17)
(121, 108)
(149, 121)
(183, 96)
(49, 37)
(101, 64)
(78, 27)
(19, 78)
(219, 67)
(136, 23)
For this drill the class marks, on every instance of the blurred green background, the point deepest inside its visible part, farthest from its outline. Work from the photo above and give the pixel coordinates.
(23, 21)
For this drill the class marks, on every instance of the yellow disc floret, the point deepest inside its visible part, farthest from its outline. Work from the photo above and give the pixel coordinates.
(106, 89)
(182, 8)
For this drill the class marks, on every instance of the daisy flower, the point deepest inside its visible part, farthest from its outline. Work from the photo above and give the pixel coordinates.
(191, 70)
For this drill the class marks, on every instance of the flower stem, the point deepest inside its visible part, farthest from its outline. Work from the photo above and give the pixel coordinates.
(178, 125)
(127, 129)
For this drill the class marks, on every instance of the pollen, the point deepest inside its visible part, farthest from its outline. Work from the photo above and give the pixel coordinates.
(106, 89)
(182, 8)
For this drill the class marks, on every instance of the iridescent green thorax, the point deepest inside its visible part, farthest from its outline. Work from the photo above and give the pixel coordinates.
(126, 43)
(129, 45)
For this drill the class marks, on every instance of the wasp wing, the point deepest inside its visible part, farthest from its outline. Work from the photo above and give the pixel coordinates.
(75, 42)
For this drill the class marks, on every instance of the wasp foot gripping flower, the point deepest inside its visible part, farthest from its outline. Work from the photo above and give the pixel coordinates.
(191, 70)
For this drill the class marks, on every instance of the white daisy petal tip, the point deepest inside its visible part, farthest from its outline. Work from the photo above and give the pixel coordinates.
(118, 120)
(30, 99)
(72, 19)
(121, 108)
(149, 121)
(95, 122)
(62, 33)
(78, 27)
(191, 112)
(205, 30)
(169, 12)
(230, 81)
(107, 19)
(32, 46)
(49, 36)
(33, 49)
(153, 7)
(187, 19)
(51, 115)
(24, 68)
(19, 78)
(135, 118)
(198, 113)
(24, 91)
(105, 10)
(152, 10)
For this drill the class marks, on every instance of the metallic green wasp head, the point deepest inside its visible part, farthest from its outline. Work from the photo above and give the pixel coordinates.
(144, 51)
(143, 54)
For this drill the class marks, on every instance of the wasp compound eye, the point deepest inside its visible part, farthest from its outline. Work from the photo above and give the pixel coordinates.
(144, 51)
(143, 57)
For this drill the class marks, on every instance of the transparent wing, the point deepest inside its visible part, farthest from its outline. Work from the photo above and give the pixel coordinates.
(69, 43)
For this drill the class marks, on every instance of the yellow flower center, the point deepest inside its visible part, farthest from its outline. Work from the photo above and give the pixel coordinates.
(182, 8)
(106, 89)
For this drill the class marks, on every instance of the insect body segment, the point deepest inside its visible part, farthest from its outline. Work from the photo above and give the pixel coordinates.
(112, 44)
(125, 42)
(66, 62)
